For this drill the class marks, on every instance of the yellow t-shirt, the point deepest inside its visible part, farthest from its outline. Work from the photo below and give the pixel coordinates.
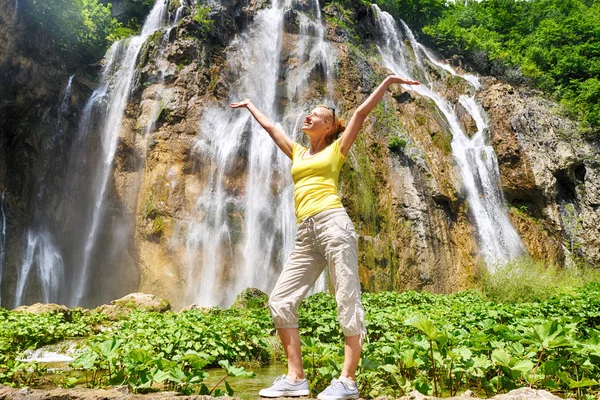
(316, 180)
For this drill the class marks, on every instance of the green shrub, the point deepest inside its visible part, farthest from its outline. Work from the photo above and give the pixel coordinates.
(526, 280)
(415, 341)
(397, 144)
(80, 28)
(202, 18)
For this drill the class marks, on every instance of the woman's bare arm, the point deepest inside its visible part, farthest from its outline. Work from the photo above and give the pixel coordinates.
(365, 108)
(277, 134)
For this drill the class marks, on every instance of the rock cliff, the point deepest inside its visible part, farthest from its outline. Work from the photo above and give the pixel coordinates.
(400, 183)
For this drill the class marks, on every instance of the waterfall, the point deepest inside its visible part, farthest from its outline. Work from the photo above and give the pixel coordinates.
(2, 240)
(41, 251)
(244, 229)
(476, 160)
(312, 51)
(234, 234)
(15, 12)
(110, 99)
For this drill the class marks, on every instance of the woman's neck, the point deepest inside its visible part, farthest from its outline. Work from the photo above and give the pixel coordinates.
(317, 145)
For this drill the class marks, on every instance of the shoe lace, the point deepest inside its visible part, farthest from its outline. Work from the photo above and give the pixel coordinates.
(279, 378)
(337, 384)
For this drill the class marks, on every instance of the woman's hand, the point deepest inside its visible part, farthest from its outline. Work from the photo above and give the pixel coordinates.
(365, 108)
(244, 103)
(397, 79)
(277, 134)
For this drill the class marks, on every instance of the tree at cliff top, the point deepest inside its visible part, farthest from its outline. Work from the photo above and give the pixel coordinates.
(554, 44)
(81, 29)
(416, 13)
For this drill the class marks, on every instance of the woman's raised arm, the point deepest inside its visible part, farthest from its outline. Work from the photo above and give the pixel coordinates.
(365, 108)
(277, 134)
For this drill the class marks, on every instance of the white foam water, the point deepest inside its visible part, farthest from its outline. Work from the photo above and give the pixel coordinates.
(476, 160)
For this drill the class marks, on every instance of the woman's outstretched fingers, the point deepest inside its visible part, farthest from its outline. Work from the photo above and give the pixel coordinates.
(239, 104)
(399, 79)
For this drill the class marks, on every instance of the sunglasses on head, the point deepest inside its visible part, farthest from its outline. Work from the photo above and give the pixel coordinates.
(333, 111)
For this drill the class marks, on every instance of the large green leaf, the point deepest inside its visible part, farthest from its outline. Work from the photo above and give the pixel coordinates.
(501, 357)
(425, 325)
(523, 366)
(550, 335)
(585, 382)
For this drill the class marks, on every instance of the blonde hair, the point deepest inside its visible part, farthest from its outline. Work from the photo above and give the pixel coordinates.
(339, 125)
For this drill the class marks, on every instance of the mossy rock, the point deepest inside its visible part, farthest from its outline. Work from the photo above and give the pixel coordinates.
(46, 308)
(142, 301)
(251, 298)
(121, 308)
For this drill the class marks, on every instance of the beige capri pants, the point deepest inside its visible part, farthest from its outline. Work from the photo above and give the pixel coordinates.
(325, 239)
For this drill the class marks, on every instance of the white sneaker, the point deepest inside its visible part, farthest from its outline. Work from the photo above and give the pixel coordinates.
(338, 390)
(284, 388)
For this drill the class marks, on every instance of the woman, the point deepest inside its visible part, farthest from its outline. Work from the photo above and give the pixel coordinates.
(325, 237)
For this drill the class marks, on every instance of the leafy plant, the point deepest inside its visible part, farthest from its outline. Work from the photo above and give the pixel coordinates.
(416, 341)
(397, 144)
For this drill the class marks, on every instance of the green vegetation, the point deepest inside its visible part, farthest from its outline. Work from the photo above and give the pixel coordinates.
(443, 141)
(358, 177)
(527, 280)
(78, 27)
(83, 29)
(440, 344)
(202, 18)
(342, 17)
(396, 144)
(553, 44)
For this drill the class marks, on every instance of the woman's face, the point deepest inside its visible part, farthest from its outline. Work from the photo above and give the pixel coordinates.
(317, 122)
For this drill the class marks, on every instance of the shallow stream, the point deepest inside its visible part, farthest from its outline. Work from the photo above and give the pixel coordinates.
(57, 357)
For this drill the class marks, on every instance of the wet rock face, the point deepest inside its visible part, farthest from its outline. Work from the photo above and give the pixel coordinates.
(413, 232)
(231, 17)
(413, 223)
(32, 82)
(548, 170)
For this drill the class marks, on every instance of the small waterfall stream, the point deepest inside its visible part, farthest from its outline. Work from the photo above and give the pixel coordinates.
(111, 99)
(2, 239)
(476, 160)
(41, 252)
(15, 12)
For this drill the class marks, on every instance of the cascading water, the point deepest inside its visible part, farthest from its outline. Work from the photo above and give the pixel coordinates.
(15, 11)
(42, 255)
(110, 100)
(477, 163)
(312, 51)
(481, 177)
(2, 239)
(221, 253)
(244, 228)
